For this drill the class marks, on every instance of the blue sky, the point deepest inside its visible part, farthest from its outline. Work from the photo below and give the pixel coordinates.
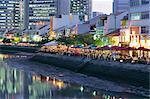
(104, 6)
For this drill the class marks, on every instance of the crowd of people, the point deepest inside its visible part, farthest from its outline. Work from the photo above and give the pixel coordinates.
(108, 55)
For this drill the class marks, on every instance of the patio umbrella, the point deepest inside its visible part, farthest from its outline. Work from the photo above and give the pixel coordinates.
(144, 49)
(147, 49)
(104, 48)
(131, 48)
(92, 47)
(77, 46)
(122, 48)
(115, 47)
(141, 48)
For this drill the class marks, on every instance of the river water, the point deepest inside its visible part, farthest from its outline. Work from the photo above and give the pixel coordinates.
(22, 83)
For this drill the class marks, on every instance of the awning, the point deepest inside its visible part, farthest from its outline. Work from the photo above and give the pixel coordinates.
(53, 43)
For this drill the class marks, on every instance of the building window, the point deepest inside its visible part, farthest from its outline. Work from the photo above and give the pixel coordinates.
(145, 15)
(145, 2)
(134, 3)
(135, 16)
(144, 29)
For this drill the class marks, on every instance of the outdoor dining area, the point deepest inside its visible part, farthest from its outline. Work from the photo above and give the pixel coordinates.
(108, 53)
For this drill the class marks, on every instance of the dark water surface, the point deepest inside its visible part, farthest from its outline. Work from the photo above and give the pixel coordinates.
(23, 84)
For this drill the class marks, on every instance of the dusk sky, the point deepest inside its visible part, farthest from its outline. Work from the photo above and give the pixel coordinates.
(104, 6)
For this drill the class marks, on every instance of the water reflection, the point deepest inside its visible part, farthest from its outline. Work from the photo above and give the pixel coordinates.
(19, 84)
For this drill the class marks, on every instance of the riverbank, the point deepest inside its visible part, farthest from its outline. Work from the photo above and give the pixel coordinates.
(19, 48)
(134, 74)
(72, 77)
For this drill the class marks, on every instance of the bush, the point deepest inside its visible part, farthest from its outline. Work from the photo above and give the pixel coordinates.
(5, 40)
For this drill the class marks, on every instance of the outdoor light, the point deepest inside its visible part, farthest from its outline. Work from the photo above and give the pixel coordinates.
(47, 78)
(94, 93)
(24, 39)
(121, 61)
(37, 38)
(81, 88)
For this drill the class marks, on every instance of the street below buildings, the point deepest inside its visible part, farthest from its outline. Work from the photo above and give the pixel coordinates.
(23, 79)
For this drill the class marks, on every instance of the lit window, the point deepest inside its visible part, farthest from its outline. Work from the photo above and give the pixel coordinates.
(134, 3)
(145, 29)
(145, 15)
(135, 16)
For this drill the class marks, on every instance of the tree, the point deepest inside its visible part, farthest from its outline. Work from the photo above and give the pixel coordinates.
(86, 39)
(5, 40)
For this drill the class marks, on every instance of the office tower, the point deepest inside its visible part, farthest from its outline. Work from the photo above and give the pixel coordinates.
(82, 8)
(41, 10)
(10, 15)
(120, 6)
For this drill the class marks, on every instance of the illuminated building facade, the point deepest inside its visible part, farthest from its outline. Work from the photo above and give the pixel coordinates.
(41, 10)
(131, 28)
(26, 14)
(10, 15)
(82, 8)
(137, 26)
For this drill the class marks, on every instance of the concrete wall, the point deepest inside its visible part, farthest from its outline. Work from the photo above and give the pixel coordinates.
(83, 28)
(113, 22)
(66, 20)
(22, 49)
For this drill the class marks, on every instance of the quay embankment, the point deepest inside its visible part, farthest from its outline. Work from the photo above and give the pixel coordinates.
(19, 48)
(134, 74)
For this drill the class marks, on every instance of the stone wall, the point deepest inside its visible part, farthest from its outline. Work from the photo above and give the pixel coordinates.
(134, 74)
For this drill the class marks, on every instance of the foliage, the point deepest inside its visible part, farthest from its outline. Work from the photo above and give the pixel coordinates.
(86, 39)
(16, 40)
(5, 40)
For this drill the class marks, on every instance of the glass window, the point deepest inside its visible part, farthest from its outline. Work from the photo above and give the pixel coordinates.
(135, 16)
(134, 3)
(145, 2)
(145, 15)
(145, 29)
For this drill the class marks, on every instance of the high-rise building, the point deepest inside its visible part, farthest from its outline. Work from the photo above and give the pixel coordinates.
(41, 10)
(10, 15)
(83, 8)
(120, 6)
(28, 14)
(31, 14)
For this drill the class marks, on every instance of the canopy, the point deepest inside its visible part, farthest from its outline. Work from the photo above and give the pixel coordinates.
(131, 48)
(118, 48)
(53, 43)
(104, 48)
(115, 47)
(144, 49)
(90, 47)
(77, 46)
